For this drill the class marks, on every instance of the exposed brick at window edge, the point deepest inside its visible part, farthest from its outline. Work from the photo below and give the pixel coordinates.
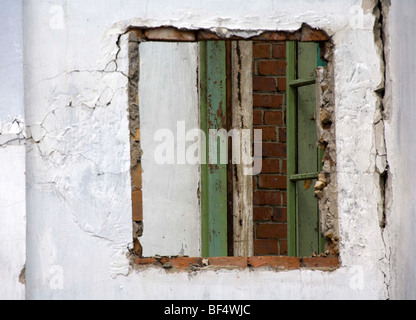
(276, 263)
(305, 33)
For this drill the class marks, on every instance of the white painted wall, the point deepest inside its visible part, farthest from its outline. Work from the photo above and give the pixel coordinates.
(12, 153)
(78, 181)
(400, 137)
(169, 101)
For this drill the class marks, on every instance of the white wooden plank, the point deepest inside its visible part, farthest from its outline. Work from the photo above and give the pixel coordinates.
(168, 96)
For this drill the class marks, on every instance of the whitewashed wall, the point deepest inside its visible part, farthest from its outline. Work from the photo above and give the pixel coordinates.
(12, 153)
(78, 181)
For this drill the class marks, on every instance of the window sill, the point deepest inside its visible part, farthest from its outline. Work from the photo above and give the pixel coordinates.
(276, 263)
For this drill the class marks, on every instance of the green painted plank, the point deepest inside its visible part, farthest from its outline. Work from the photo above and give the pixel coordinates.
(204, 167)
(306, 132)
(291, 145)
(308, 210)
(307, 60)
(214, 176)
(308, 223)
(308, 213)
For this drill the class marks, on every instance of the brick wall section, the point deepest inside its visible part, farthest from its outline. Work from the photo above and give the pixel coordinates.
(269, 111)
(135, 146)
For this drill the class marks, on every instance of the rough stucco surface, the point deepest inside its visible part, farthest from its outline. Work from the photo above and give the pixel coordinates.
(12, 153)
(78, 180)
(400, 137)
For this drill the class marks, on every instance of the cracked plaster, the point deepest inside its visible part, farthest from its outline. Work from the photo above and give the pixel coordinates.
(79, 160)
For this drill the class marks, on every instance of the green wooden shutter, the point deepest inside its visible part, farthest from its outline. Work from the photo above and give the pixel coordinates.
(213, 176)
(304, 157)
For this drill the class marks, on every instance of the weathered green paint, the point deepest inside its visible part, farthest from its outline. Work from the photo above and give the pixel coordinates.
(213, 176)
(308, 222)
(291, 145)
(304, 176)
(204, 167)
(304, 157)
(308, 212)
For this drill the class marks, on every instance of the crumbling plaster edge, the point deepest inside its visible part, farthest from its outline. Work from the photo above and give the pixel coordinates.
(13, 132)
(381, 13)
(224, 32)
(108, 65)
(386, 177)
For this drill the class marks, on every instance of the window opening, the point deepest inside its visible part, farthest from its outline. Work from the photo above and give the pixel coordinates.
(273, 106)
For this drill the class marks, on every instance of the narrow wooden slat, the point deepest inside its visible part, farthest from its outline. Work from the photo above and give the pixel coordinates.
(308, 213)
(230, 167)
(204, 196)
(291, 146)
(214, 175)
(242, 106)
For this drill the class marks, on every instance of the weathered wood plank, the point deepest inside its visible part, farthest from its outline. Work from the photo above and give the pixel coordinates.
(242, 106)
(307, 152)
(214, 176)
(291, 146)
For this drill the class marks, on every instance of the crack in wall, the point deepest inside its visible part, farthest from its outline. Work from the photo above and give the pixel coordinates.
(12, 134)
(380, 11)
(106, 70)
(56, 140)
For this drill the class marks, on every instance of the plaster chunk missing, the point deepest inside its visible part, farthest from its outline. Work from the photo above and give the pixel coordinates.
(22, 276)
(326, 186)
(12, 133)
(37, 132)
